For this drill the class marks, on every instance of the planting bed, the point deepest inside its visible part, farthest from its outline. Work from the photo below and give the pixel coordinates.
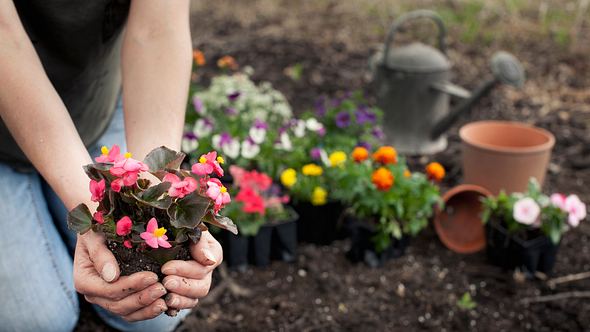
(322, 291)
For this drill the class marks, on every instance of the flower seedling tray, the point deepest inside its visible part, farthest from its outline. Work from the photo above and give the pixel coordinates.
(318, 224)
(530, 252)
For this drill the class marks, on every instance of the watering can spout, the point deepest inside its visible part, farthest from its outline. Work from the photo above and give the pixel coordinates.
(506, 69)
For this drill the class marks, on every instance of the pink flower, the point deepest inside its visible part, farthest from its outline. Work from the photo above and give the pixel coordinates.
(558, 200)
(127, 244)
(127, 170)
(180, 188)
(576, 210)
(218, 193)
(155, 237)
(124, 226)
(208, 163)
(116, 185)
(109, 156)
(98, 216)
(97, 190)
(526, 211)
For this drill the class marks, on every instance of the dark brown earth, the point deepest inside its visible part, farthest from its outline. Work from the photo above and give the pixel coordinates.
(322, 291)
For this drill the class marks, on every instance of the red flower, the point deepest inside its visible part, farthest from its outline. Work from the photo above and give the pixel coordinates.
(253, 202)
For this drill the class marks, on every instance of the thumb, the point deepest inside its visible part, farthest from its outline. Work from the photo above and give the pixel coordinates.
(207, 251)
(103, 259)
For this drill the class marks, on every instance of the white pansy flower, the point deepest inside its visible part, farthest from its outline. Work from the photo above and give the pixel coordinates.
(250, 149)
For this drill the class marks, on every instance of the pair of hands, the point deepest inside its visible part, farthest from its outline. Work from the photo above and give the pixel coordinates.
(138, 296)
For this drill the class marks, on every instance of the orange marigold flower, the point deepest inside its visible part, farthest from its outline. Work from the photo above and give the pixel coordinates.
(407, 173)
(385, 155)
(435, 171)
(360, 154)
(382, 179)
(227, 62)
(199, 58)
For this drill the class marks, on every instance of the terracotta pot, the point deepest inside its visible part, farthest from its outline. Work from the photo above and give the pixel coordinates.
(502, 155)
(459, 225)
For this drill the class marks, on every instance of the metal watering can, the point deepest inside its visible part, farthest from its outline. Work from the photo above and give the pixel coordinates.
(413, 88)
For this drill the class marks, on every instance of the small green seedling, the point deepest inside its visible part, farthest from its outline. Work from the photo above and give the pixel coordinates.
(295, 72)
(466, 302)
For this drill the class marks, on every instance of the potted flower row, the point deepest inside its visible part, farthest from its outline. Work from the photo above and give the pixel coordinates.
(265, 222)
(524, 230)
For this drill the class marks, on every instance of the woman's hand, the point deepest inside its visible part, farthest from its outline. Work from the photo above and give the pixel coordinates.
(188, 281)
(96, 276)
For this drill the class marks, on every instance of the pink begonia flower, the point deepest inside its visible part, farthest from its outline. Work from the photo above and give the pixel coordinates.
(208, 163)
(127, 244)
(237, 174)
(218, 193)
(109, 156)
(576, 210)
(526, 211)
(180, 188)
(98, 216)
(97, 190)
(155, 237)
(124, 226)
(558, 200)
(127, 170)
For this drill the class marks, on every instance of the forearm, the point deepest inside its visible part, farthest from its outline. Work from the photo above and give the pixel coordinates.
(36, 116)
(156, 64)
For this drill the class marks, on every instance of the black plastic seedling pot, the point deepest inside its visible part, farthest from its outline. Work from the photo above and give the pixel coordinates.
(235, 251)
(318, 224)
(259, 249)
(284, 241)
(530, 252)
(362, 247)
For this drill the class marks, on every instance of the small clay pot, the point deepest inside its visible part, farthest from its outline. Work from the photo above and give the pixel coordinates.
(459, 225)
(502, 155)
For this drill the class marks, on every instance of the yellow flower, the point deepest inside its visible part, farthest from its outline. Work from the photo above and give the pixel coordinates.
(289, 177)
(312, 170)
(407, 173)
(337, 158)
(319, 196)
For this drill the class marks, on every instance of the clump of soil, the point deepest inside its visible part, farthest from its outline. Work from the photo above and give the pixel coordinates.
(133, 260)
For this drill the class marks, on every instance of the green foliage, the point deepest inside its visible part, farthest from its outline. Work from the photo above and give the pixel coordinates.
(187, 212)
(405, 208)
(466, 302)
(80, 219)
(501, 209)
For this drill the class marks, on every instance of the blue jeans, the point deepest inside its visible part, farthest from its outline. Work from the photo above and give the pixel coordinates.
(36, 249)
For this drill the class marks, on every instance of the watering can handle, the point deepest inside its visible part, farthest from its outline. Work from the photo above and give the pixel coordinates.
(423, 13)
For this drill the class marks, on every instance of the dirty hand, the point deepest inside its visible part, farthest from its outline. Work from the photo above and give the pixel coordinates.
(96, 276)
(187, 281)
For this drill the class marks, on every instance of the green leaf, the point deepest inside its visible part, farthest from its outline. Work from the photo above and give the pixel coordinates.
(80, 219)
(151, 196)
(162, 158)
(466, 302)
(188, 211)
(98, 171)
(221, 222)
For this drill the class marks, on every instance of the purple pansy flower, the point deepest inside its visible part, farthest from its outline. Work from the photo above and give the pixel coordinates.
(378, 134)
(234, 96)
(316, 153)
(365, 145)
(320, 107)
(343, 119)
(364, 115)
(231, 111)
(198, 105)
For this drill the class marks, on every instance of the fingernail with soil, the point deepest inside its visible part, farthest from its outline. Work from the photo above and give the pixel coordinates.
(150, 280)
(160, 308)
(171, 284)
(108, 272)
(209, 255)
(157, 293)
(172, 301)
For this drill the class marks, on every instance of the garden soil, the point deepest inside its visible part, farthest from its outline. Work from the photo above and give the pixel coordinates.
(322, 291)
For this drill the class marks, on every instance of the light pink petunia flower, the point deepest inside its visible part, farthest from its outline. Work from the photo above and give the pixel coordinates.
(558, 200)
(576, 210)
(180, 188)
(526, 211)
(155, 237)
